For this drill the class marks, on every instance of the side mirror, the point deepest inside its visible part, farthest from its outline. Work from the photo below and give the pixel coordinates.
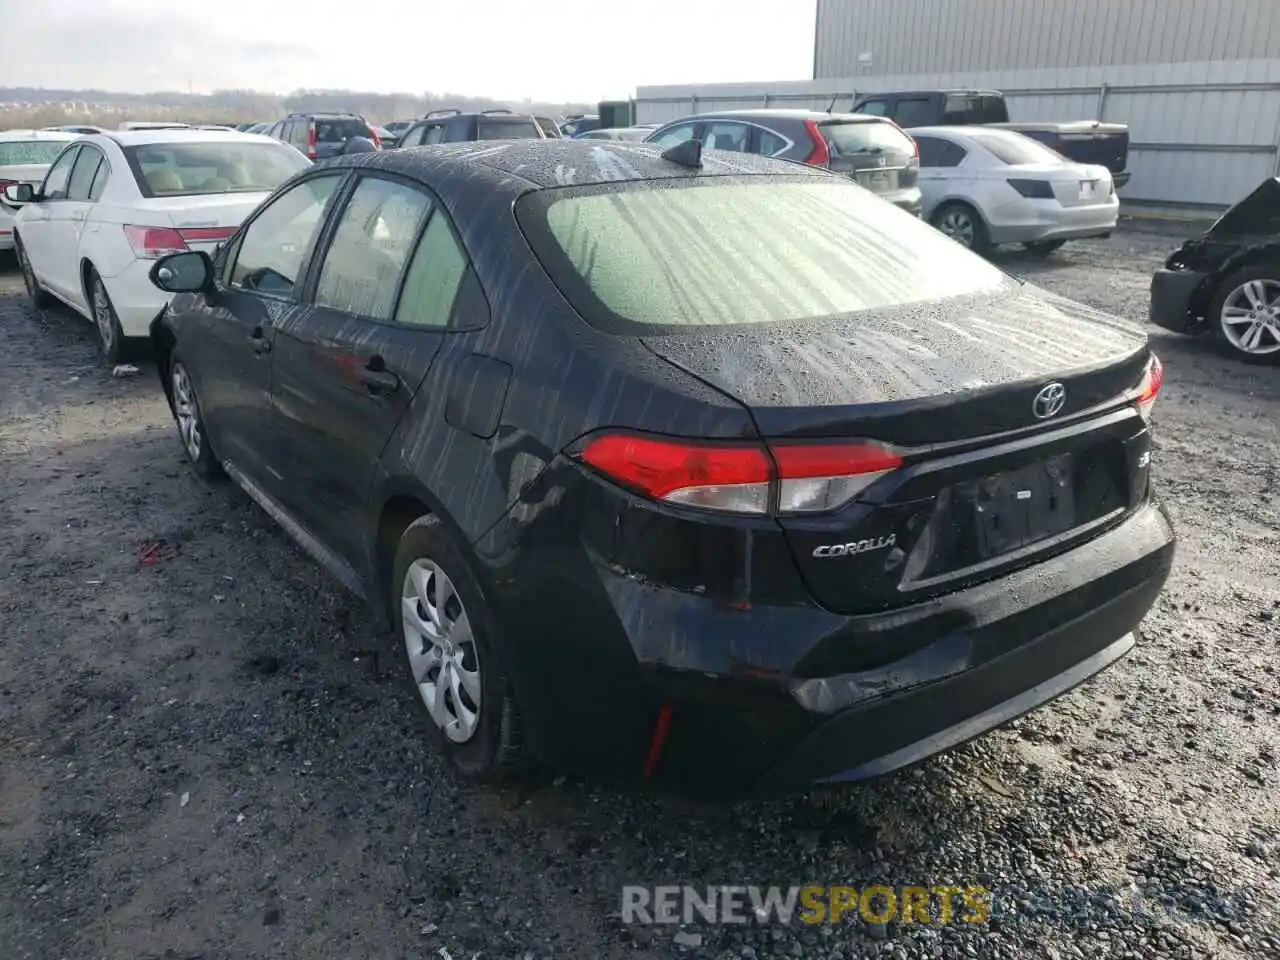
(19, 193)
(190, 272)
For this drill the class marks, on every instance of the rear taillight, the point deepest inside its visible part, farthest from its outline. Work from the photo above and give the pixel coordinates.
(754, 478)
(1032, 189)
(1149, 388)
(820, 156)
(151, 242)
(311, 142)
(6, 184)
(373, 135)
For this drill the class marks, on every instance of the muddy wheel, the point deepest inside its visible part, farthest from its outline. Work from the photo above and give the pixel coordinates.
(186, 414)
(110, 337)
(456, 668)
(39, 299)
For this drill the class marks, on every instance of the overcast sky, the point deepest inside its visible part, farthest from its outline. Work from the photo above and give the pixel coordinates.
(543, 49)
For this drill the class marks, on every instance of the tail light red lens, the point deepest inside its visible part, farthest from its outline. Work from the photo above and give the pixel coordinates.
(311, 142)
(1149, 388)
(6, 184)
(373, 135)
(151, 242)
(751, 478)
(820, 156)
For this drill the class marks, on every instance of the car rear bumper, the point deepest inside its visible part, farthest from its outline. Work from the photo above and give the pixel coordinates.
(1171, 293)
(136, 299)
(1037, 220)
(742, 721)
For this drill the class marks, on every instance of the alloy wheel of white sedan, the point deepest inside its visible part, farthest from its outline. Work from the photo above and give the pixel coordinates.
(1250, 317)
(442, 651)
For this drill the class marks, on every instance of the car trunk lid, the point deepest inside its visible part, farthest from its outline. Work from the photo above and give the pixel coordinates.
(201, 222)
(1012, 418)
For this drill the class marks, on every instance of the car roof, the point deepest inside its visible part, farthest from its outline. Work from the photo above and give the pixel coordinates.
(59, 135)
(521, 165)
(142, 138)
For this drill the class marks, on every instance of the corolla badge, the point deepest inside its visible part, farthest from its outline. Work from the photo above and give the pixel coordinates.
(831, 550)
(1049, 401)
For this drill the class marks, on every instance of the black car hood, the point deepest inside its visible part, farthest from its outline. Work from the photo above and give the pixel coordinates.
(950, 354)
(1256, 216)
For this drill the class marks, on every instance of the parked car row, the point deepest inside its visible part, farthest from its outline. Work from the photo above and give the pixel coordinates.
(981, 185)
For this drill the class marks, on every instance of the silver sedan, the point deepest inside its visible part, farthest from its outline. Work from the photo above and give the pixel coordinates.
(982, 187)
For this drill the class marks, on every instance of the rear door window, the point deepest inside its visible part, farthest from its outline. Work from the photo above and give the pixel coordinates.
(508, 129)
(913, 112)
(457, 130)
(939, 153)
(371, 247)
(974, 109)
(726, 135)
(340, 130)
(874, 108)
(433, 133)
(84, 173)
(434, 276)
(769, 143)
(413, 137)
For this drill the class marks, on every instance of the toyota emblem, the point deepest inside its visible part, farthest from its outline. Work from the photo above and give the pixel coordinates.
(1049, 401)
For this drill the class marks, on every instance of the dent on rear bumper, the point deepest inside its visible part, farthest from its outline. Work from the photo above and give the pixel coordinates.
(998, 650)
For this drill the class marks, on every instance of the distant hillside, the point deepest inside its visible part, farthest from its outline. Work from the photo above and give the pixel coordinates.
(36, 107)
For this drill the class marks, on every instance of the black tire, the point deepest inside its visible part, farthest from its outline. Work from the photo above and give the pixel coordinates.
(975, 237)
(494, 751)
(1042, 249)
(111, 341)
(1225, 292)
(36, 293)
(200, 454)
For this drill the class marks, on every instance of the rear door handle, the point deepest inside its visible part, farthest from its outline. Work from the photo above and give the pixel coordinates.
(259, 342)
(378, 379)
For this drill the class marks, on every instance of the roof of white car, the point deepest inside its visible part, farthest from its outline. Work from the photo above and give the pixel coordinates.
(143, 138)
(37, 135)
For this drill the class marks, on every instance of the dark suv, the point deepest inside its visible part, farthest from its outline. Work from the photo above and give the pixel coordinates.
(322, 135)
(454, 126)
(872, 151)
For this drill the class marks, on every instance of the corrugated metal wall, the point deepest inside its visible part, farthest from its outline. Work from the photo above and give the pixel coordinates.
(1203, 134)
(862, 38)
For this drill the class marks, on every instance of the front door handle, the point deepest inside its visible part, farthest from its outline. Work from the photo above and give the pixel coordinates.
(378, 379)
(259, 342)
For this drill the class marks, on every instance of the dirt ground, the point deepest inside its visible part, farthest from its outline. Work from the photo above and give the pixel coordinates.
(204, 754)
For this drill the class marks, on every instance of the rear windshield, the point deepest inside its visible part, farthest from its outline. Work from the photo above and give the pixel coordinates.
(852, 139)
(30, 151)
(191, 169)
(1013, 148)
(742, 252)
(975, 109)
(509, 130)
(340, 131)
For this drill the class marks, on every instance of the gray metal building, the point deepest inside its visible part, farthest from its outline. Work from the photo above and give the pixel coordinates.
(1197, 81)
(856, 38)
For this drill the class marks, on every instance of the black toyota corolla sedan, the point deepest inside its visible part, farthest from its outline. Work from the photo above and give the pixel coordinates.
(663, 464)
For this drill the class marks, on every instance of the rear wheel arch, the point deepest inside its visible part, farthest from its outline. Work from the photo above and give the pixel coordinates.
(981, 239)
(403, 501)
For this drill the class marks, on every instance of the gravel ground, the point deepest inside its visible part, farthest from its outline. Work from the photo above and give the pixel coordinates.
(206, 756)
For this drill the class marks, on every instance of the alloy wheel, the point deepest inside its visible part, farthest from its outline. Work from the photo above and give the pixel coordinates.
(102, 316)
(185, 411)
(958, 225)
(1250, 317)
(442, 649)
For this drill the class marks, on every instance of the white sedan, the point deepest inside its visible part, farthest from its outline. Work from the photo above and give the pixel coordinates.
(112, 203)
(25, 156)
(983, 187)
